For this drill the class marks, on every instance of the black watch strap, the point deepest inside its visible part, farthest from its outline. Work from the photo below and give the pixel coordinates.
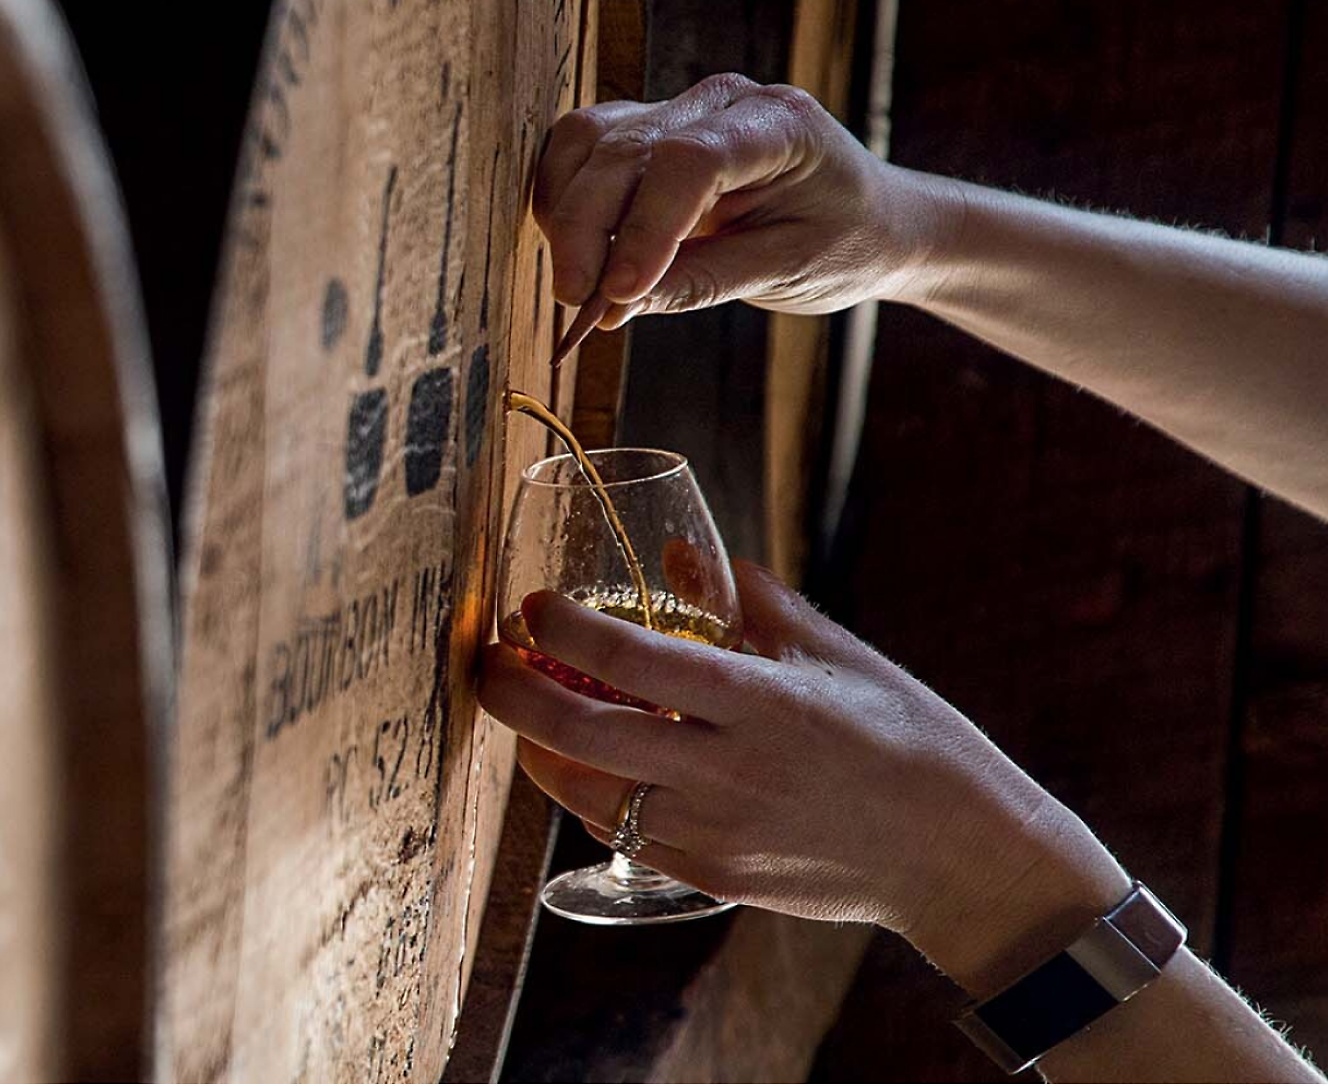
(1117, 956)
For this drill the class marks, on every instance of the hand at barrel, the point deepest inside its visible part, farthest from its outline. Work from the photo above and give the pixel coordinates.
(816, 778)
(731, 190)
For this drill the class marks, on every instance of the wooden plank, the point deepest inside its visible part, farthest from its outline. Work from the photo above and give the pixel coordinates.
(84, 483)
(336, 799)
(758, 1010)
(601, 384)
(507, 936)
(31, 905)
(797, 346)
(748, 997)
(601, 377)
(1063, 575)
(1278, 907)
(697, 383)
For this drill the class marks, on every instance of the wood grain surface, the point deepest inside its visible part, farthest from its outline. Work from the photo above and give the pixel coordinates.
(336, 799)
(1067, 577)
(1275, 909)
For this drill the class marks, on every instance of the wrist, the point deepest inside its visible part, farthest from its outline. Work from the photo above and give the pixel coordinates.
(921, 221)
(1026, 891)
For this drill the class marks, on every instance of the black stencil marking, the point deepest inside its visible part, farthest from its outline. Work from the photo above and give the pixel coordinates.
(366, 432)
(336, 313)
(561, 72)
(539, 281)
(299, 31)
(286, 67)
(373, 353)
(477, 401)
(277, 121)
(438, 326)
(427, 424)
(488, 246)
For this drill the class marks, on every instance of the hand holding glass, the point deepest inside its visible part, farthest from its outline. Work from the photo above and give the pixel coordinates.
(559, 538)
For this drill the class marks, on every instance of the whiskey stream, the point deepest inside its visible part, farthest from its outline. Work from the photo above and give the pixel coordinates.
(529, 405)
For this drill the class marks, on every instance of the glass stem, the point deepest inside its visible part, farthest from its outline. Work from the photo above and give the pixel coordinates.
(629, 872)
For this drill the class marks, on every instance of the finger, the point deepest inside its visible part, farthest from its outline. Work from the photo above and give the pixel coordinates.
(782, 625)
(698, 680)
(627, 742)
(570, 142)
(725, 268)
(755, 141)
(659, 857)
(590, 794)
(618, 315)
(597, 797)
(593, 202)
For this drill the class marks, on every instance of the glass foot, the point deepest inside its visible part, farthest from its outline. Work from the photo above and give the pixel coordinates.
(623, 892)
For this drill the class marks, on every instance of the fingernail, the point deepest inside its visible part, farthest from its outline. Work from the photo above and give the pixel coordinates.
(621, 314)
(572, 287)
(533, 606)
(620, 284)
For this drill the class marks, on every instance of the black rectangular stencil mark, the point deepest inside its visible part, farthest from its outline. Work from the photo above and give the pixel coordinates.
(477, 401)
(366, 430)
(428, 421)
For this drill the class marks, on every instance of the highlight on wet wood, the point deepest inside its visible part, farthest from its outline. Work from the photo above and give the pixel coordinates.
(336, 799)
(85, 641)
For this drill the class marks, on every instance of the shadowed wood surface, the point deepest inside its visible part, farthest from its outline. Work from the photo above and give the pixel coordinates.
(1067, 577)
(336, 800)
(601, 376)
(31, 902)
(745, 997)
(821, 54)
(1276, 907)
(85, 651)
(697, 382)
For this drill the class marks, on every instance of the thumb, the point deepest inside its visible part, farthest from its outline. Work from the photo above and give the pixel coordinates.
(710, 270)
(779, 624)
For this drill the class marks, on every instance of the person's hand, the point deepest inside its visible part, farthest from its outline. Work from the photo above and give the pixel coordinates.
(815, 778)
(731, 190)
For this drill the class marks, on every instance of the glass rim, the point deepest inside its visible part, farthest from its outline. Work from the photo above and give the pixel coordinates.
(678, 464)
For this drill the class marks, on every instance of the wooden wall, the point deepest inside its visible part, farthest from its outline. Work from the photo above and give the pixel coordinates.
(1146, 634)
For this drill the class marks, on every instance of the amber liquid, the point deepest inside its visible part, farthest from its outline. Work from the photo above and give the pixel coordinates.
(528, 405)
(672, 616)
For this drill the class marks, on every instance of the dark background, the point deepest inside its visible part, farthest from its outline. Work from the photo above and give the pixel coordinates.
(1146, 634)
(172, 84)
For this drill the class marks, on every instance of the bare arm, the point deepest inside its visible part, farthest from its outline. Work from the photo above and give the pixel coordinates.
(736, 191)
(1222, 344)
(820, 780)
(912, 818)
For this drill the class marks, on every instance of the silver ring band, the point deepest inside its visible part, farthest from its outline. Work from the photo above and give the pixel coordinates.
(627, 837)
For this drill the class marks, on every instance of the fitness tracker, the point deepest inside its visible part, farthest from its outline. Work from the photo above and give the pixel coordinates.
(1114, 959)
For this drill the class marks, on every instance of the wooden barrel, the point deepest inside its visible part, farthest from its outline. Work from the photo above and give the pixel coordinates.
(336, 800)
(85, 649)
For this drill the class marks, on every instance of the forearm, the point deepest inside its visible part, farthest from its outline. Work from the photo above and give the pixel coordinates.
(1219, 343)
(1188, 1025)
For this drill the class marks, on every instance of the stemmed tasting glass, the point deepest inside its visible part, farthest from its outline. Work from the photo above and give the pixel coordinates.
(559, 537)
